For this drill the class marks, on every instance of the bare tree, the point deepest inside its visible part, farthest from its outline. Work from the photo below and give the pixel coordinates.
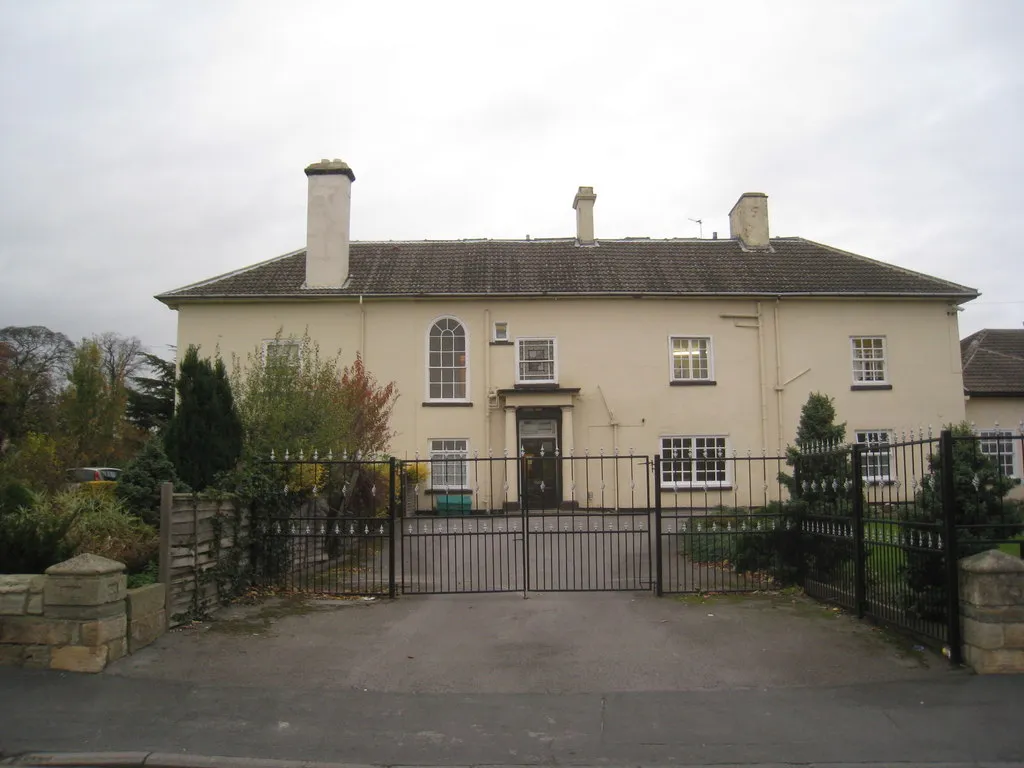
(120, 357)
(35, 363)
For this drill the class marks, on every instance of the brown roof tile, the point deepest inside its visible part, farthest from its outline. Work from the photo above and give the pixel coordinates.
(793, 266)
(993, 361)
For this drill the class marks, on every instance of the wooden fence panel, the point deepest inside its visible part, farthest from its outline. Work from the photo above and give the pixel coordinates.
(190, 543)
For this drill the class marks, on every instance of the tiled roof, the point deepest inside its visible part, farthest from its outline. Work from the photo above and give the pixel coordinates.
(993, 362)
(793, 266)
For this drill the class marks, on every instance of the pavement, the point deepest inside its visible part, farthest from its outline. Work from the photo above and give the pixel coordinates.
(586, 680)
(552, 643)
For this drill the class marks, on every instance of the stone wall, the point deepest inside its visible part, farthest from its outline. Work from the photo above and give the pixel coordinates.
(992, 612)
(76, 616)
(147, 615)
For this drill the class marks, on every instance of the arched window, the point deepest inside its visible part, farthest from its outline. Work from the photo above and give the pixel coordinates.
(447, 360)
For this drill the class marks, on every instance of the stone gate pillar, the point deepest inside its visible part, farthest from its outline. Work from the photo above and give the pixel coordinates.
(992, 611)
(85, 597)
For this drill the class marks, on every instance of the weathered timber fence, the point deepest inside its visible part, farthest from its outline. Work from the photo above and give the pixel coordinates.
(198, 536)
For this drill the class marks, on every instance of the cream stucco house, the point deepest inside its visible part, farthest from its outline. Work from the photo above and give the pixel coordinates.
(684, 348)
(993, 364)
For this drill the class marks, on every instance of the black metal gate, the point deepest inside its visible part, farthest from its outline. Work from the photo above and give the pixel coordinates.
(479, 525)
(877, 527)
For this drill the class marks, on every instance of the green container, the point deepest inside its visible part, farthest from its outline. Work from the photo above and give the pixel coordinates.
(453, 505)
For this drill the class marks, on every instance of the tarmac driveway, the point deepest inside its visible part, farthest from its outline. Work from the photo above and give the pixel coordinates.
(550, 643)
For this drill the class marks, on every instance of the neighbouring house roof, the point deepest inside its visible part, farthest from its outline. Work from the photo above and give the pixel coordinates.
(993, 362)
(680, 267)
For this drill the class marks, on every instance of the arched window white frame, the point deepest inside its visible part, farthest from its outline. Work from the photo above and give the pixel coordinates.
(447, 360)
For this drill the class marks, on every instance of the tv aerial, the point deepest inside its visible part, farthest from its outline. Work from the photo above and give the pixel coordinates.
(700, 225)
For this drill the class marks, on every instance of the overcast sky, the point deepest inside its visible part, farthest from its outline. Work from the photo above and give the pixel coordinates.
(147, 145)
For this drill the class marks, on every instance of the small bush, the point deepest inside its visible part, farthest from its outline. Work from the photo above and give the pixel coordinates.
(747, 540)
(31, 542)
(107, 528)
(710, 545)
(60, 525)
(139, 484)
(104, 489)
(417, 472)
(982, 515)
(148, 575)
(13, 495)
(776, 548)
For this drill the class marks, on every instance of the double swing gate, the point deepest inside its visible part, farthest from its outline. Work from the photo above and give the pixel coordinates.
(536, 523)
(515, 524)
(876, 527)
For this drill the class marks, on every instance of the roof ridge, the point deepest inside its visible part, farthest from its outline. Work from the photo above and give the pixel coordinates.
(628, 239)
(891, 266)
(997, 353)
(973, 345)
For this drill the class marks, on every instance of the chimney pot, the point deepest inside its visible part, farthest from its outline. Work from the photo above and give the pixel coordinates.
(584, 205)
(748, 220)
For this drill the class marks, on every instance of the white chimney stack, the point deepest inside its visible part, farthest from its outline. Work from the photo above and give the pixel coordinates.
(584, 205)
(328, 213)
(748, 220)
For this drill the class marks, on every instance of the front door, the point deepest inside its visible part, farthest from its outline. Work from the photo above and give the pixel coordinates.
(538, 442)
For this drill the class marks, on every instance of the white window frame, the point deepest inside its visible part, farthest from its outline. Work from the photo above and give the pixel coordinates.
(503, 335)
(871, 465)
(429, 368)
(860, 377)
(554, 359)
(282, 342)
(690, 339)
(690, 443)
(1001, 444)
(444, 452)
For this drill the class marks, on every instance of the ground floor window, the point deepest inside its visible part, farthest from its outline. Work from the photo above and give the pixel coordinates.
(693, 460)
(448, 463)
(278, 352)
(877, 463)
(997, 444)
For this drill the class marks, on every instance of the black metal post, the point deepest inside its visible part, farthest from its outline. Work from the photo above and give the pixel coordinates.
(952, 561)
(860, 557)
(393, 515)
(647, 466)
(659, 586)
(524, 513)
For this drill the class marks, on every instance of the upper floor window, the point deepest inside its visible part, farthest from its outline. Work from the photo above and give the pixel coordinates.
(997, 444)
(535, 361)
(281, 352)
(694, 460)
(447, 360)
(691, 358)
(868, 359)
(877, 461)
(501, 332)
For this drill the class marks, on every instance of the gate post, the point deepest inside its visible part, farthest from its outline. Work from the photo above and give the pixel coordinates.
(859, 555)
(525, 515)
(659, 586)
(952, 563)
(392, 509)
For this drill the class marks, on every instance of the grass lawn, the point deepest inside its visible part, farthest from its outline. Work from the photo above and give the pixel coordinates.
(1015, 549)
(885, 560)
